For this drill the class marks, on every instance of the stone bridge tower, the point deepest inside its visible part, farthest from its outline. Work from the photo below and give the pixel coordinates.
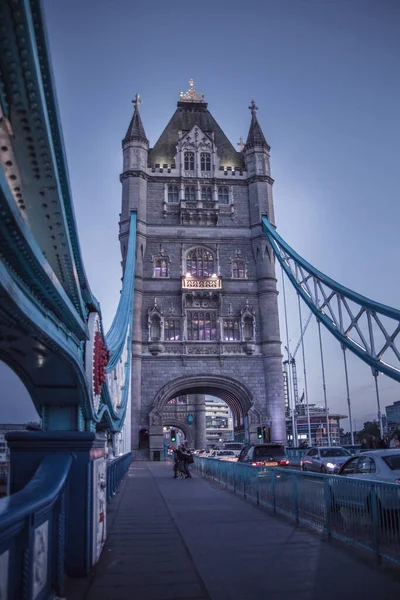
(205, 308)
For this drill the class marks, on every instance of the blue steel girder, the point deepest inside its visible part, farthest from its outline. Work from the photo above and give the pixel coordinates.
(368, 328)
(119, 338)
(32, 150)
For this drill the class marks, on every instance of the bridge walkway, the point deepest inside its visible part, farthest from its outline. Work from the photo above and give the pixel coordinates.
(189, 539)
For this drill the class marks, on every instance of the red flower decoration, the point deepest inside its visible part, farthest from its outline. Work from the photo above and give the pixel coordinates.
(100, 361)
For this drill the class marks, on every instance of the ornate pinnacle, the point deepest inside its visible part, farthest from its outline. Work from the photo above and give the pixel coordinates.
(137, 101)
(241, 144)
(253, 108)
(191, 95)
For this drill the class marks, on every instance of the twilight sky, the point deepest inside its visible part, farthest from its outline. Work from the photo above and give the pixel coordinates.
(325, 75)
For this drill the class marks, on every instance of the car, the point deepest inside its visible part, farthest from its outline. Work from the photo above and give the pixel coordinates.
(224, 455)
(236, 447)
(324, 459)
(268, 455)
(371, 466)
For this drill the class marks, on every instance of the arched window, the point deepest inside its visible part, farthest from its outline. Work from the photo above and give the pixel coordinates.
(223, 195)
(238, 269)
(189, 161)
(205, 161)
(173, 193)
(160, 267)
(190, 193)
(248, 329)
(206, 193)
(200, 262)
(155, 329)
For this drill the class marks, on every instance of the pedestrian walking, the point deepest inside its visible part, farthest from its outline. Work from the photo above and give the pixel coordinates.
(188, 461)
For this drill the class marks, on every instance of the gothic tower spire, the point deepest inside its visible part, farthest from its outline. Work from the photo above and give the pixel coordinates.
(136, 130)
(256, 136)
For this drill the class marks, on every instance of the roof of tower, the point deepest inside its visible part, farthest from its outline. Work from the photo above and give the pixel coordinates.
(136, 129)
(192, 110)
(256, 136)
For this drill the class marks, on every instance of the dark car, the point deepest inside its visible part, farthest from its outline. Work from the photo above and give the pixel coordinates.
(264, 455)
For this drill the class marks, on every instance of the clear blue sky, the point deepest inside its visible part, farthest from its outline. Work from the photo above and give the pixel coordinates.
(325, 75)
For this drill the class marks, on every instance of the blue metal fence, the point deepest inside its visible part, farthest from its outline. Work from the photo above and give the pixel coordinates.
(116, 469)
(32, 534)
(363, 512)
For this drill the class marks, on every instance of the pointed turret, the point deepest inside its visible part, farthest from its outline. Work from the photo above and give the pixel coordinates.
(135, 149)
(256, 136)
(256, 149)
(136, 130)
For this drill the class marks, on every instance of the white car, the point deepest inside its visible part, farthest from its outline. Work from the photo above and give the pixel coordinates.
(324, 459)
(381, 466)
(224, 455)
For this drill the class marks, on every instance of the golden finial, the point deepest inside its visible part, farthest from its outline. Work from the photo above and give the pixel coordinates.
(191, 95)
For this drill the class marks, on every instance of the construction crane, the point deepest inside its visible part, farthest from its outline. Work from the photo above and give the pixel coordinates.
(292, 362)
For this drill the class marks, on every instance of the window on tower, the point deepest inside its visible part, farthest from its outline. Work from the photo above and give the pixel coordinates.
(173, 193)
(223, 195)
(190, 193)
(200, 262)
(206, 193)
(205, 161)
(189, 161)
(231, 330)
(160, 267)
(201, 326)
(172, 330)
(238, 269)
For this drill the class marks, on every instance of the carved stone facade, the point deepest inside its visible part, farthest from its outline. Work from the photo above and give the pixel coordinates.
(205, 309)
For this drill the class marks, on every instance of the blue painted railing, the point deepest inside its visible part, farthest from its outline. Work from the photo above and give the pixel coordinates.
(116, 469)
(360, 511)
(32, 534)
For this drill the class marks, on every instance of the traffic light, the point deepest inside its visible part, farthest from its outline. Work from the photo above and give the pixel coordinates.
(173, 435)
(259, 433)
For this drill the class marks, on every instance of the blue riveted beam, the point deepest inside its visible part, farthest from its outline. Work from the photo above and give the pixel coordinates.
(119, 338)
(116, 336)
(368, 328)
(25, 260)
(59, 148)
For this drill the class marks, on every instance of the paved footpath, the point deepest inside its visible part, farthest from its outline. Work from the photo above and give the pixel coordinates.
(191, 540)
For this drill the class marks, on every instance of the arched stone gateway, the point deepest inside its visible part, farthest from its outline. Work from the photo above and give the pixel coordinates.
(234, 393)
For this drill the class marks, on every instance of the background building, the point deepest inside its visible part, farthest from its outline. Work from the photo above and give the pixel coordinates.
(393, 416)
(4, 429)
(219, 421)
(318, 425)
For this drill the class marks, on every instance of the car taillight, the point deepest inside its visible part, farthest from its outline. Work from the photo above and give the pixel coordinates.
(397, 480)
(285, 461)
(257, 464)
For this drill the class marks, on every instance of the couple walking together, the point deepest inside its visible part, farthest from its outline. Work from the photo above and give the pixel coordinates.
(182, 459)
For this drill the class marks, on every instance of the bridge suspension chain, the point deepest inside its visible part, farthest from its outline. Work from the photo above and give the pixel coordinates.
(367, 328)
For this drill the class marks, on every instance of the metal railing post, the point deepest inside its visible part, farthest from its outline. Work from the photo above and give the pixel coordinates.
(375, 524)
(295, 497)
(328, 507)
(273, 494)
